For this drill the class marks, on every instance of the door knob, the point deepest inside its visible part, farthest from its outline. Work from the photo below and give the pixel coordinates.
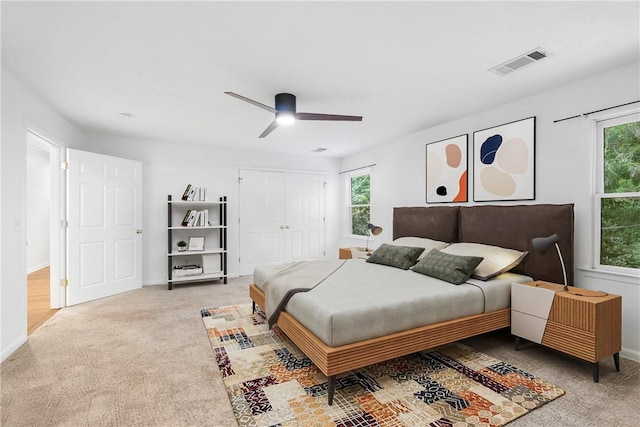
(138, 231)
(282, 227)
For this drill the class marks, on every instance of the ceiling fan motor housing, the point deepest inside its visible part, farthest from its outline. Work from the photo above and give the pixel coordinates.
(286, 103)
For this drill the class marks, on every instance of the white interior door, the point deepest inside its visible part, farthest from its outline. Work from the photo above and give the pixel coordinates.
(261, 225)
(104, 213)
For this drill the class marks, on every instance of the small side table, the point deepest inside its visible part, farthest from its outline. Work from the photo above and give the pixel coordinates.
(349, 253)
(580, 322)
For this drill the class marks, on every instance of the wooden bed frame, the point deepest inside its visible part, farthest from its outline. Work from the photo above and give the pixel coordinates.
(506, 226)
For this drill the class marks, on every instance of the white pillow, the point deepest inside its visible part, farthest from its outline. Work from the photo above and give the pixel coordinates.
(420, 242)
(496, 260)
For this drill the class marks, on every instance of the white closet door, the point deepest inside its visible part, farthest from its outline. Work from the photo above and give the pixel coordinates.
(304, 217)
(281, 218)
(261, 225)
(104, 240)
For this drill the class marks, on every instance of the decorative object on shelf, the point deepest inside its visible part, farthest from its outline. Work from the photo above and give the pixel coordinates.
(187, 270)
(182, 246)
(372, 230)
(447, 165)
(542, 245)
(504, 162)
(196, 243)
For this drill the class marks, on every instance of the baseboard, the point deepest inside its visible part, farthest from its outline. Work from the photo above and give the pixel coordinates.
(164, 281)
(6, 352)
(155, 282)
(630, 354)
(38, 267)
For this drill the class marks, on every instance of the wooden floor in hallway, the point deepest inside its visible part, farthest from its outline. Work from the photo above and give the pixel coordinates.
(38, 299)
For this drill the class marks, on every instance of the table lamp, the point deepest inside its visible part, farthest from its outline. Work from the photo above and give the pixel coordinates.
(542, 245)
(373, 230)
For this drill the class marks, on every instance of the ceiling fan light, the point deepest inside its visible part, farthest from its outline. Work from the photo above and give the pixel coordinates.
(285, 118)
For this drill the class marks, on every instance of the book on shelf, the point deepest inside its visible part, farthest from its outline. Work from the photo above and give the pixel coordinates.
(191, 218)
(193, 221)
(195, 193)
(185, 220)
(192, 193)
(195, 218)
(185, 195)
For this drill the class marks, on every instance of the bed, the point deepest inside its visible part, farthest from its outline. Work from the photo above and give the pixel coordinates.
(502, 226)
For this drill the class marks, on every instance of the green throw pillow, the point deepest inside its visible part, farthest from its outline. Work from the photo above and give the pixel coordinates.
(395, 256)
(455, 269)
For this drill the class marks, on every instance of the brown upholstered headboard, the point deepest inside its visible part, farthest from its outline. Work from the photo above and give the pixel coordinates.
(506, 226)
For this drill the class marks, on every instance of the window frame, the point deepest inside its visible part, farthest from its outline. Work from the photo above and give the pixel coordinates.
(599, 125)
(349, 222)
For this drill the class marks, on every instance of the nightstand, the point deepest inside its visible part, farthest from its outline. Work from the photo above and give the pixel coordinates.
(349, 253)
(583, 323)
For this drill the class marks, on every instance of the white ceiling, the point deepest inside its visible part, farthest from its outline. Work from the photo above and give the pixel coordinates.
(404, 66)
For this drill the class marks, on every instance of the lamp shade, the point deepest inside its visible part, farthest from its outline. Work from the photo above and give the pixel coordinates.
(542, 244)
(375, 230)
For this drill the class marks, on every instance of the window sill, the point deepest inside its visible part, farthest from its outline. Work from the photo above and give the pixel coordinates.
(631, 278)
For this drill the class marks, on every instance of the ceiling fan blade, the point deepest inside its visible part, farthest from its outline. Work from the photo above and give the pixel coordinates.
(251, 101)
(336, 117)
(269, 129)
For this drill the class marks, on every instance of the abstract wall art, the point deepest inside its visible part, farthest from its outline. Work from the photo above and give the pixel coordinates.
(504, 162)
(447, 163)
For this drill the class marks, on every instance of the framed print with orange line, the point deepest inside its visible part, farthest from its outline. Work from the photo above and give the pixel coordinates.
(446, 170)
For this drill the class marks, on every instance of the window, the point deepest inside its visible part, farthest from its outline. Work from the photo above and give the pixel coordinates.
(617, 199)
(359, 203)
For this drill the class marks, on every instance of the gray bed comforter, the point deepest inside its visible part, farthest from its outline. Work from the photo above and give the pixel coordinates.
(348, 301)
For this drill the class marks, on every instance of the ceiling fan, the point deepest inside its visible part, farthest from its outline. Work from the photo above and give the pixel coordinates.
(285, 112)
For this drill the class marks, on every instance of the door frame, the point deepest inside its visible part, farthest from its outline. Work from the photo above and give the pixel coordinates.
(57, 242)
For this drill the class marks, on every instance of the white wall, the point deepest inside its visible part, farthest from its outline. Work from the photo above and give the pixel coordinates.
(38, 199)
(20, 109)
(564, 171)
(169, 167)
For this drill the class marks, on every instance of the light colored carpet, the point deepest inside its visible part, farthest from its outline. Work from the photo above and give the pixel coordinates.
(143, 358)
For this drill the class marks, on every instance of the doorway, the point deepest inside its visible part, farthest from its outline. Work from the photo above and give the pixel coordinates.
(44, 293)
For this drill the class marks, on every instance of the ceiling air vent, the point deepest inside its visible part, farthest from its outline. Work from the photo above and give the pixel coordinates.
(519, 62)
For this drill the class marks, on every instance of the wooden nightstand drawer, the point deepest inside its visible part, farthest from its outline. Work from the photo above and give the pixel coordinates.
(573, 341)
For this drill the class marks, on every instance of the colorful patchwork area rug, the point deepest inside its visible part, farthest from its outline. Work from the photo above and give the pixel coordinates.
(270, 382)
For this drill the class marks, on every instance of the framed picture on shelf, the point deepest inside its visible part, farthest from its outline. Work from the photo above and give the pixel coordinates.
(447, 170)
(196, 243)
(504, 162)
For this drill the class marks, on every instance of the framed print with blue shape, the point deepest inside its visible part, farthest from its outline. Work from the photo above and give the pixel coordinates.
(504, 162)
